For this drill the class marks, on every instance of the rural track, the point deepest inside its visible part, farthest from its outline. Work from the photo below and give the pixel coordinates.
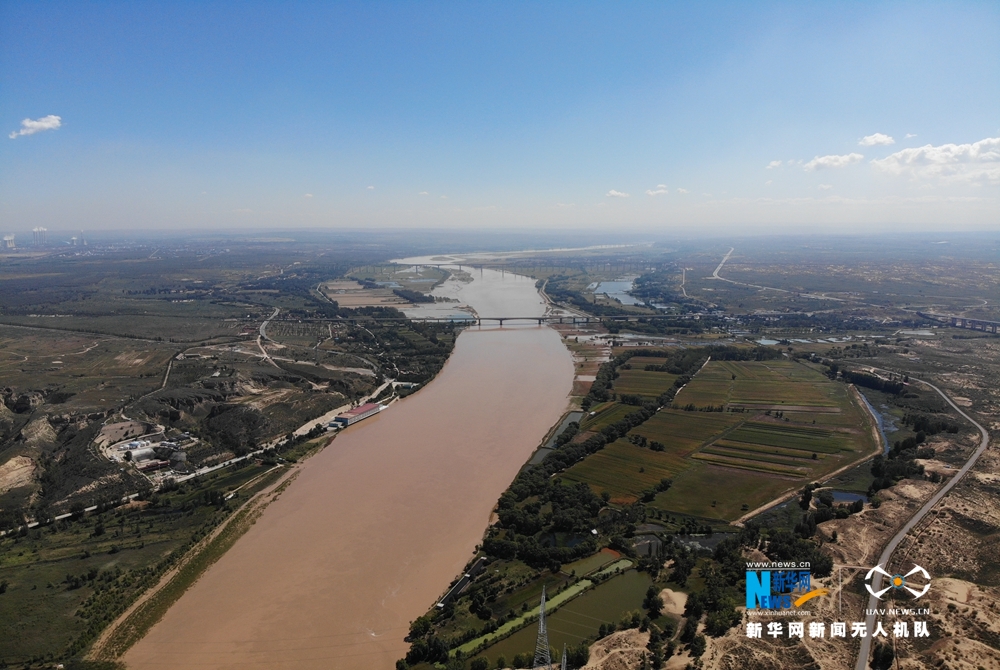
(890, 548)
(263, 336)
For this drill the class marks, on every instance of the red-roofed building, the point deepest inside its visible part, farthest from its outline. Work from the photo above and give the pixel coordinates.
(359, 413)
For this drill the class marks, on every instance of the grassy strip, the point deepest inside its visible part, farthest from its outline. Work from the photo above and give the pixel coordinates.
(551, 605)
(149, 612)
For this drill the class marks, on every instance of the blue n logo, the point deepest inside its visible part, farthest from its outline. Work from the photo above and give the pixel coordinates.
(758, 586)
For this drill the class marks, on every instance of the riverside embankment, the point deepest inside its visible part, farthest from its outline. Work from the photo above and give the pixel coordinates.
(377, 524)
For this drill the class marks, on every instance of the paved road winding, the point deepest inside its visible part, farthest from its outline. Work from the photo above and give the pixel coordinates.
(883, 560)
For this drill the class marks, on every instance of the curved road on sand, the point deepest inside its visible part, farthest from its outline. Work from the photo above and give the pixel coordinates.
(866, 642)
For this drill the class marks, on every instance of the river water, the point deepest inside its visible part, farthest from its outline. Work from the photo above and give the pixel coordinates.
(378, 523)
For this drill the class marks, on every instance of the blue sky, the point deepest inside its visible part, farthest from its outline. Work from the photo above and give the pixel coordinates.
(658, 116)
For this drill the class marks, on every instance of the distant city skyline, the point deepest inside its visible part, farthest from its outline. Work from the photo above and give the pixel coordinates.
(668, 118)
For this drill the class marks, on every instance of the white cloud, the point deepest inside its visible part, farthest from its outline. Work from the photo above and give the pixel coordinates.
(309, 195)
(617, 194)
(773, 164)
(768, 182)
(444, 197)
(976, 162)
(423, 193)
(833, 161)
(683, 190)
(661, 189)
(30, 127)
(371, 188)
(565, 204)
(825, 187)
(877, 138)
(909, 135)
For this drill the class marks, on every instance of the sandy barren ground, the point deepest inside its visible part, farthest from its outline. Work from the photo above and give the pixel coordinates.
(17, 471)
(622, 650)
(673, 601)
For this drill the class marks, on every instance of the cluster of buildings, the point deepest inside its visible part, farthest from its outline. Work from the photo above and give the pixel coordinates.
(149, 456)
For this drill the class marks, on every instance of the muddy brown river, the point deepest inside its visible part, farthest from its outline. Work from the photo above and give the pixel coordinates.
(378, 523)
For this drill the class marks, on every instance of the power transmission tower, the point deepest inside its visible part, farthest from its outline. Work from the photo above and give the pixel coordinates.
(543, 657)
(563, 666)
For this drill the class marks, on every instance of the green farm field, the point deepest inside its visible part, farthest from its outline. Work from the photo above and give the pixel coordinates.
(763, 385)
(712, 492)
(645, 383)
(625, 470)
(605, 414)
(720, 461)
(684, 432)
(580, 618)
(640, 362)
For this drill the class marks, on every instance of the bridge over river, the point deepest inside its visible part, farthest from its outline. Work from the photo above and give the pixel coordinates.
(480, 320)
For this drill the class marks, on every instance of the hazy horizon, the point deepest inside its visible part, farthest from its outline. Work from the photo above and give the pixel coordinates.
(639, 119)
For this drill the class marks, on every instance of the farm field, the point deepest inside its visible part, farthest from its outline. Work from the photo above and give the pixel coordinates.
(799, 427)
(625, 470)
(605, 414)
(642, 382)
(580, 618)
(759, 385)
(712, 492)
(684, 432)
(587, 565)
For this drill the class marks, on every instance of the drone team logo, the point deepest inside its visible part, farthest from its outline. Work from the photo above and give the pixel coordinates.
(917, 581)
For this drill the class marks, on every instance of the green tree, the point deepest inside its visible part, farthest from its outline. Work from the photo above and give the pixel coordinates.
(690, 629)
(882, 657)
(479, 664)
(420, 627)
(698, 646)
(653, 603)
